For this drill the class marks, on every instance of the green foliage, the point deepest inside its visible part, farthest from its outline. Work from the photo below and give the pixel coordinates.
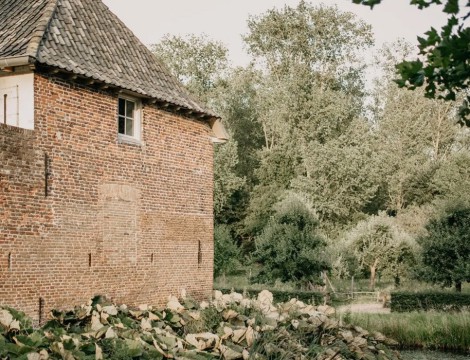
(444, 71)
(236, 100)
(446, 249)
(195, 60)
(306, 35)
(228, 187)
(379, 244)
(426, 301)
(411, 141)
(226, 251)
(341, 175)
(451, 179)
(290, 248)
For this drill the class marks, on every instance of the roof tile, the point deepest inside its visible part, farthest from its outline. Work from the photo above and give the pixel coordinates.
(85, 37)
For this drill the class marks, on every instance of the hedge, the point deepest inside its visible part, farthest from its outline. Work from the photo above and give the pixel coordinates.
(403, 301)
(308, 297)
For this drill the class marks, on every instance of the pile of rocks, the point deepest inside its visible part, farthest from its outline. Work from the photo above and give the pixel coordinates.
(231, 326)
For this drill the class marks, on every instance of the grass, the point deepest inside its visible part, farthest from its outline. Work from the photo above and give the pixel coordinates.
(440, 331)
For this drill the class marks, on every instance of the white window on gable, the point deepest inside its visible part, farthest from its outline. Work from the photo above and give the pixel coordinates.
(17, 100)
(9, 109)
(129, 119)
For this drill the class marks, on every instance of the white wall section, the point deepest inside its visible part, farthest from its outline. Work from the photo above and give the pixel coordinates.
(17, 98)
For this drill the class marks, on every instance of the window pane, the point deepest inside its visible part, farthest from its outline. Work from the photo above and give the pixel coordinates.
(122, 125)
(130, 109)
(122, 107)
(129, 127)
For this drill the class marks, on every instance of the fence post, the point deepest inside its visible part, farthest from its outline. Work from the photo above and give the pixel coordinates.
(352, 287)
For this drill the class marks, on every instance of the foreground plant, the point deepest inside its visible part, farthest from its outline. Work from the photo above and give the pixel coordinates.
(230, 327)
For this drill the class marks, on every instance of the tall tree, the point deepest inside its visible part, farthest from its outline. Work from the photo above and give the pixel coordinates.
(310, 90)
(341, 176)
(236, 99)
(414, 135)
(445, 69)
(195, 60)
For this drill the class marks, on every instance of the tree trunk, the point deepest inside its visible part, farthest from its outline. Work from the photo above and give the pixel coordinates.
(373, 269)
(458, 286)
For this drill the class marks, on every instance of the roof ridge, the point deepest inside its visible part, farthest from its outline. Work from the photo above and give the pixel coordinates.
(41, 28)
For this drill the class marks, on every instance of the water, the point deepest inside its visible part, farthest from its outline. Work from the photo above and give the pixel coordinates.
(431, 355)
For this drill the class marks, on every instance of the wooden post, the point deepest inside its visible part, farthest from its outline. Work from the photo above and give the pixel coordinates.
(352, 287)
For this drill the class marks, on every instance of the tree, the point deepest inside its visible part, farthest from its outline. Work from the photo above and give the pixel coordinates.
(195, 60)
(414, 135)
(380, 245)
(309, 91)
(446, 249)
(226, 251)
(445, 70)
(236, 99)
(290, 248)
(341, 175)
(321, 39)
(226, 182)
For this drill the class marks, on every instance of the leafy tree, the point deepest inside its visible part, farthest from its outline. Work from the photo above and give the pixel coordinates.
(236, 100)
(446, 249)
(226, 251)
(195, 60)
(277, 168)
(445, 69)
(451, 179)
(310, 57)
(321, 39)
(380, 245)
(414, 135)
(341, 175)
(227, 185)
(309, 91)
(290, 248)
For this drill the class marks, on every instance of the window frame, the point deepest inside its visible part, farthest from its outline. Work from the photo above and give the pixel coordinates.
(136, 138)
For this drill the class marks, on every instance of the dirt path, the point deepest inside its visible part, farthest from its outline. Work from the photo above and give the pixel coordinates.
(375, 308)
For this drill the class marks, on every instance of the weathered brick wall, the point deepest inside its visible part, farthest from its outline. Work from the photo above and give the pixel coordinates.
(133, 222)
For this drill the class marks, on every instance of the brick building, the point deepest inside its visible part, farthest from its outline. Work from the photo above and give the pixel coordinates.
(105, 164)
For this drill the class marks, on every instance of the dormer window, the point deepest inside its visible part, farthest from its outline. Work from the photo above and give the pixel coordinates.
(129, 119)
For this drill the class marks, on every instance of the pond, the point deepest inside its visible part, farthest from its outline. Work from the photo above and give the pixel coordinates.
(431, 355)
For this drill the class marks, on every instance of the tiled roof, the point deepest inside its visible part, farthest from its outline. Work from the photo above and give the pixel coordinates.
(86, 38)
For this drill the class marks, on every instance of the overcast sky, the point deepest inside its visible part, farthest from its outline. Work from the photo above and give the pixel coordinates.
(225, 20)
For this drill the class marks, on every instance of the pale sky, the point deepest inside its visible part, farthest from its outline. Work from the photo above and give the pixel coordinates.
(225, 20)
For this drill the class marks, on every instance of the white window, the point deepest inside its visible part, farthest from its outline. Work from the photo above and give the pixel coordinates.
(17, 100)
(129, 119)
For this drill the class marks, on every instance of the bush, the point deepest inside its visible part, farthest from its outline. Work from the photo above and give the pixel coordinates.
(290, 247)
(424, 301)
(226, 251)
(446, 249)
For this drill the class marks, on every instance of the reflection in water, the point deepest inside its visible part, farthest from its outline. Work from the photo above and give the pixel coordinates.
(431, 355)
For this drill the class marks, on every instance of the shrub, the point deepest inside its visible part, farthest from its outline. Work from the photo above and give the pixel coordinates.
(290, 248)
(425, 301)
(226, 251)
(446, 249)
